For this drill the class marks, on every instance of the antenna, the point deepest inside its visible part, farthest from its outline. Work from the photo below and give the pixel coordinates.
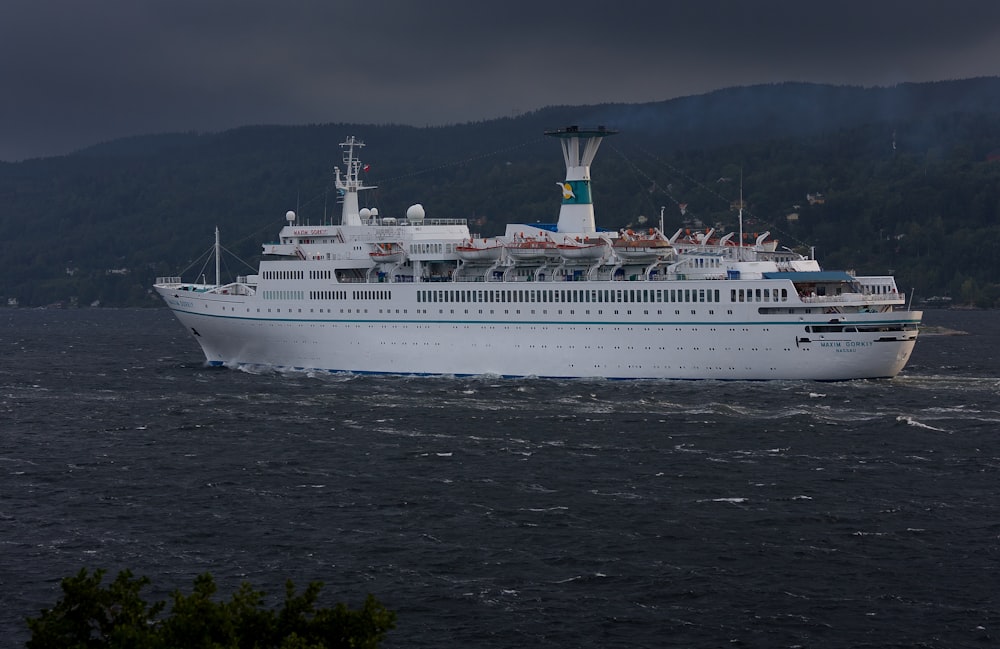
(740, 248)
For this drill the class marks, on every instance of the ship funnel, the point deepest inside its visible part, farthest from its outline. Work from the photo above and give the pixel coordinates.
(579, 146)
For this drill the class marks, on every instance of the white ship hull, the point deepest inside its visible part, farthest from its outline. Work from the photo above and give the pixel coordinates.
(396, 295)
(394, 334)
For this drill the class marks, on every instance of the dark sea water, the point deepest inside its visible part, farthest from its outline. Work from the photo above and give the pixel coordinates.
(511, 513)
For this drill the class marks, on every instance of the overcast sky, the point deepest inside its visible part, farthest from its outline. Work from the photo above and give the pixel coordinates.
(75, 72)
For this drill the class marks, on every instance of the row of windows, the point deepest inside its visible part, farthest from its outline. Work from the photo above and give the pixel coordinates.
(705, 262)
(284, 295)
(284, 274)
(758, 295)
(371, 295)
(548, 295)
(321, 274)
(570, 296)
(880, 289)
(327, 295)
(429, 248)
(342, 295)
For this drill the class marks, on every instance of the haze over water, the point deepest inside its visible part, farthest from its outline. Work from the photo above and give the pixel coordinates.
(510, 513)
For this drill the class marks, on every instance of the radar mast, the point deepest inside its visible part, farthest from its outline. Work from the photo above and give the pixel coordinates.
(351, 183)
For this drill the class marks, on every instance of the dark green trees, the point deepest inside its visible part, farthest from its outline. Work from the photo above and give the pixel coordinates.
(92, 616)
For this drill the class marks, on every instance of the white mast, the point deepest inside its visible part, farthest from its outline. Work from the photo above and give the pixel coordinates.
(740, 247)
(351, 183)
(218, 257)
(577, 211)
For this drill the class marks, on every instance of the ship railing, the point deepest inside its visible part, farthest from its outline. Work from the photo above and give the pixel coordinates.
(441, 222)
(388, 220)
(168, 280)
(233, 289)
(886, 298)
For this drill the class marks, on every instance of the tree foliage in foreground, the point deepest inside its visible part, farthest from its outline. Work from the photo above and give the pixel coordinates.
(93, 616)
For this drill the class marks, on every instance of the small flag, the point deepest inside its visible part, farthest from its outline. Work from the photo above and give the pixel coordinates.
(366, 168)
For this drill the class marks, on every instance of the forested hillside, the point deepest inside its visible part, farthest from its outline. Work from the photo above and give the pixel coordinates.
(908, 178)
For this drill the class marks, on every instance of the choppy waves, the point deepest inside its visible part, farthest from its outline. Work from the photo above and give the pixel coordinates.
(499, 513)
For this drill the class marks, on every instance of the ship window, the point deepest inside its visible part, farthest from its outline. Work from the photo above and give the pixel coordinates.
(767, 295)
(701, 295)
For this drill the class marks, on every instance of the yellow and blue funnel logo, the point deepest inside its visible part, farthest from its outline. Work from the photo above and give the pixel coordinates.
(575, 192)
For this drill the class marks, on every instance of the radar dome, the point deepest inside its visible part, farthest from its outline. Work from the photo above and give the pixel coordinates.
(375, 212)
(415, 212)
(290, 216)
(365, 213)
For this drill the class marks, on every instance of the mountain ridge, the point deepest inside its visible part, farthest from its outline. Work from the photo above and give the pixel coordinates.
(99, 224)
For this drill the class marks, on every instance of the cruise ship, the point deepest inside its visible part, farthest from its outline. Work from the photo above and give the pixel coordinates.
(416, 294)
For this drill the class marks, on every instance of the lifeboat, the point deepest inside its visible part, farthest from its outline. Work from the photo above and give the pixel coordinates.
(474, 251)
(387, 253)
(586, 249)
(641, 247)
(537, 248)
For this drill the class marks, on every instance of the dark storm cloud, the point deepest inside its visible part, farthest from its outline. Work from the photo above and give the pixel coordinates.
(77, 73)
